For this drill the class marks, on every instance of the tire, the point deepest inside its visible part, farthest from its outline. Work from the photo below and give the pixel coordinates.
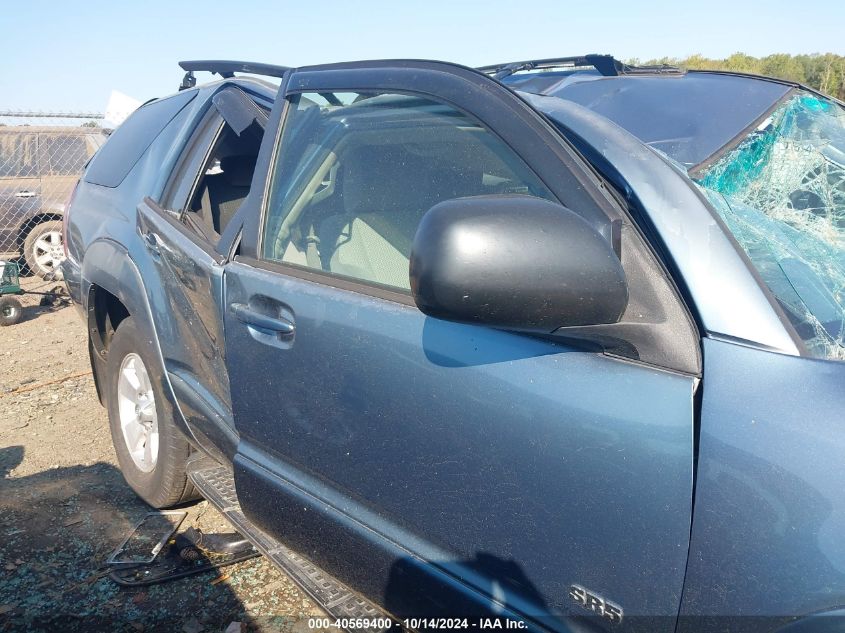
(43, 249)
(156, 475)
(11, 311)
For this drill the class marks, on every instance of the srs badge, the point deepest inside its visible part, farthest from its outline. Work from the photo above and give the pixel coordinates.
(596, 603)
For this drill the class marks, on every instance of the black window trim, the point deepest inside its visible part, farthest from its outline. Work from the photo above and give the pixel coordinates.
(208, 123)
(214, 127)
(333, 280)
(195, 238)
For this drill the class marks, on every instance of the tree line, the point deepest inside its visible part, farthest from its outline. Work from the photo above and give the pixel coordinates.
(823, 71)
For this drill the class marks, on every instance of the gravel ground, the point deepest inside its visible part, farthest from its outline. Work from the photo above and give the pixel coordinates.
(64, 507)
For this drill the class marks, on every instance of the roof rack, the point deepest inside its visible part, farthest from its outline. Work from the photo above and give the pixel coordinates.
(226, 69)
(607, 65)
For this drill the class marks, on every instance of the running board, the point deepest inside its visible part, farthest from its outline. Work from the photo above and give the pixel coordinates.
(217, 484)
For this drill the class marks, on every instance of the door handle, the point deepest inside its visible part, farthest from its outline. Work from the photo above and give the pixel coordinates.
(151, 242)
(25, 194)
(247, 315)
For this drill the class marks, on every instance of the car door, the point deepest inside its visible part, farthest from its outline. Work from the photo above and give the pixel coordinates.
(20, 185)
(440, 468)
(186, 246)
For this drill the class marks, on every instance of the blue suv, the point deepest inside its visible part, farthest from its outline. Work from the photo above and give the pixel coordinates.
(552, 344)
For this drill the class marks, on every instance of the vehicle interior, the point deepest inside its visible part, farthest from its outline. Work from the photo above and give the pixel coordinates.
(357, 202)
(225, 179)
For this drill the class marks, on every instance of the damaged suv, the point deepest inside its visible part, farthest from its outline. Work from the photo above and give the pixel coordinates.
(555, 341)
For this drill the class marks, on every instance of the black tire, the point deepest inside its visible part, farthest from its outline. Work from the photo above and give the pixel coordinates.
(11, 311)
(47, 270)
(166, 484)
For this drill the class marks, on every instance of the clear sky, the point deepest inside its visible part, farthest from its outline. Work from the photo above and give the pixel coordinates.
(68, 55)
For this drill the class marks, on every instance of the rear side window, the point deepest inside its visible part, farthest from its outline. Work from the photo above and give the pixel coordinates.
(17, 155)
(129, 142)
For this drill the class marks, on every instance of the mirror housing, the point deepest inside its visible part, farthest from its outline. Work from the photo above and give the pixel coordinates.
(515, 262)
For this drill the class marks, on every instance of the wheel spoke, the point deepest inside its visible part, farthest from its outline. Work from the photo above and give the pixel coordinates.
(131, 373)
(148, 449)
(41, 244)
(144, 381)
(134, 435)
(55, 238)
(44, 260)
(136, 407)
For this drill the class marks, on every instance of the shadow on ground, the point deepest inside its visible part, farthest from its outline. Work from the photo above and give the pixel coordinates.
(57, 528)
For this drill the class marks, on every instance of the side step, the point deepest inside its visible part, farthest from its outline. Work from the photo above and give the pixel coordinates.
(217, 484)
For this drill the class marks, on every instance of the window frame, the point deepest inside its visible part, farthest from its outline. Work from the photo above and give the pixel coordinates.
(183, 181)
(383, 288)
(181, 185)
(498, 110)
(542, 147)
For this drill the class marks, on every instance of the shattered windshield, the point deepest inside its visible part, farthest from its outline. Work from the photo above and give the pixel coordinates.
(781, 192)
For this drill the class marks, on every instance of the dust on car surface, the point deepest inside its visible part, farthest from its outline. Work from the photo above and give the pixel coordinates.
(64, 506)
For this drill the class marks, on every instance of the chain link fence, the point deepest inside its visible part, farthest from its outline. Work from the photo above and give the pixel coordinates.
(42, 154)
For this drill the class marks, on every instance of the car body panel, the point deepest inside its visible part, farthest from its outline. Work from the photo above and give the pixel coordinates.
(496, 458)
(20, 199)
(111, 216)
(190, 277)
(110, 267)
(472, 440)
(769, 507)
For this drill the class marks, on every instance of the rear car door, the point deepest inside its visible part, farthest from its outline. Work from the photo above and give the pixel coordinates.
(441, 468)
(185, 236)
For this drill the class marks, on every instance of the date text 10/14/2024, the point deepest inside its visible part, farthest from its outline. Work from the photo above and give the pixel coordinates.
(417, 623)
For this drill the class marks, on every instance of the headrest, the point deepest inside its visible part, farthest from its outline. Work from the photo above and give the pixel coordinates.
(238, 170)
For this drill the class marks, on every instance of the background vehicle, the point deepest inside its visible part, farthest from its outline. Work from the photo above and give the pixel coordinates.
(39, 167)
(446, 349)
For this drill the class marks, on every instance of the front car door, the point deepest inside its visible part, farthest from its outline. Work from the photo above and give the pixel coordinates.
(443, 468)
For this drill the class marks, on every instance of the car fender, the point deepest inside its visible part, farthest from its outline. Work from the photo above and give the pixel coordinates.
(108, 265)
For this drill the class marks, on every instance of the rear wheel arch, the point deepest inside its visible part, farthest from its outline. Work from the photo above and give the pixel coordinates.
(112, 291)
(105, 313)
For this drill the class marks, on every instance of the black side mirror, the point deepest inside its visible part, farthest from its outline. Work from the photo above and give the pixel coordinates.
(516, 262)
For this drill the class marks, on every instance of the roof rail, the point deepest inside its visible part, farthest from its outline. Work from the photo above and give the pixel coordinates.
(607, 65)
(226, 69)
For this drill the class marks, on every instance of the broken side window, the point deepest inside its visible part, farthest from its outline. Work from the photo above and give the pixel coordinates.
(781, 192)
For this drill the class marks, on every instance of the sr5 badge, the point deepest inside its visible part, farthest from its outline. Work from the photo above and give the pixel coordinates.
(596, 604)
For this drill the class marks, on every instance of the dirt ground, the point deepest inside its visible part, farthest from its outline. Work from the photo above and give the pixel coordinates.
(64, 507)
